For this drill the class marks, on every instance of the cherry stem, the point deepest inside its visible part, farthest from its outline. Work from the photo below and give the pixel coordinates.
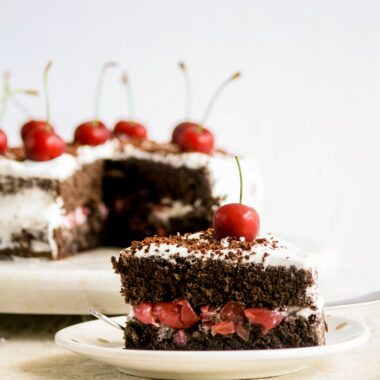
(99, 89)
(188, 90)
(4, 98)
(9, 94)
(241, 179)
(46, 91)
(131, 105)
(216, 95)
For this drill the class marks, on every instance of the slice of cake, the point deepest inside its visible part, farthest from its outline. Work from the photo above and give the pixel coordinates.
(224, 288)
(198, 292)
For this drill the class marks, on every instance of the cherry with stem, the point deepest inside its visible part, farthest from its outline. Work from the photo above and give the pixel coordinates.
(95, 132)
(236, 219)
(42, 143)
(129, 127)
(195, 137)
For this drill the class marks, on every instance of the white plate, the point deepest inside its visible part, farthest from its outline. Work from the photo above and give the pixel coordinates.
(101, 342)
(80, 282)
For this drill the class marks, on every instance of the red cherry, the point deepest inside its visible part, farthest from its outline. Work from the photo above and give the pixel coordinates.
(223, 328)
(241, 331)
(180, 128)
(196, 139)
(91, 133)
(169, 314)
(130, 128)
(206, 313)
(43, 145)
(144, 313)
(265, 317)
(178, 315)
(188, 315)
(180, 338)
(232, 311)
(3, 141)
(34, 125)
(236, 220)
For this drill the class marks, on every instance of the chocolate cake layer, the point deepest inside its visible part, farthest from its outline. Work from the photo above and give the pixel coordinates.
(84, 187)
(134, 189)
(291, 332)
(211, 282)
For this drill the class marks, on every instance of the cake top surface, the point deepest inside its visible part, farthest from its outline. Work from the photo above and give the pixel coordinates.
(14, 163)
(265, 250)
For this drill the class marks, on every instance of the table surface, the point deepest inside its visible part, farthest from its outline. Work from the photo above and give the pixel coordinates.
(27, 351)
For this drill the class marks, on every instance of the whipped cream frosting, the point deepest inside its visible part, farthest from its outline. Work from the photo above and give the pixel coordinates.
(282, 254)
(45, 213)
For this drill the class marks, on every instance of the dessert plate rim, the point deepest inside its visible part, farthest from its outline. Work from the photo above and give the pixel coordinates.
(67, 339)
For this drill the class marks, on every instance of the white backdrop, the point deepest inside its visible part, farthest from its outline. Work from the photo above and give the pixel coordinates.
(307, 105)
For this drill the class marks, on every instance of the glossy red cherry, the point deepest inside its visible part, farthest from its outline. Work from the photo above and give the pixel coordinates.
(3, 141)
(43, 145)
(232, 311)
(144, 313)
(196, 139)
(267, 318)
(178, 315)
(188, 315)
(180, 338)
(32, 126)
(169, 314)
(223, 328)
(92, 133)
(236, 220)
(180, 128)
(130, 128)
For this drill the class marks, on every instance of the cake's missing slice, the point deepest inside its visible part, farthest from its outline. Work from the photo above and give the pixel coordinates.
(195, 292)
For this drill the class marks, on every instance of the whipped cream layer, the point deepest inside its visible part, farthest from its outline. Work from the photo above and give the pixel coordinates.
(267, 250)
(38, 214)
(34, 210)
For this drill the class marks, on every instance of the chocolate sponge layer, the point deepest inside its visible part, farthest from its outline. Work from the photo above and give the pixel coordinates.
(134, 187)
(212, 282)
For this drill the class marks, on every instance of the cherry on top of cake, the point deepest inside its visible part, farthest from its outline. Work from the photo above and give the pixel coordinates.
(129, 127)
(192, 136)
(41, 143)
(95, 132)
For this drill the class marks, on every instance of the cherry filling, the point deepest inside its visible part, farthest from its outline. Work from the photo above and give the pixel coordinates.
(229, 319)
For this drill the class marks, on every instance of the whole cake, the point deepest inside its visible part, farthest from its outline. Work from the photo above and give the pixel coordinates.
(112, 193)
(199, 292)
(110, 188)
